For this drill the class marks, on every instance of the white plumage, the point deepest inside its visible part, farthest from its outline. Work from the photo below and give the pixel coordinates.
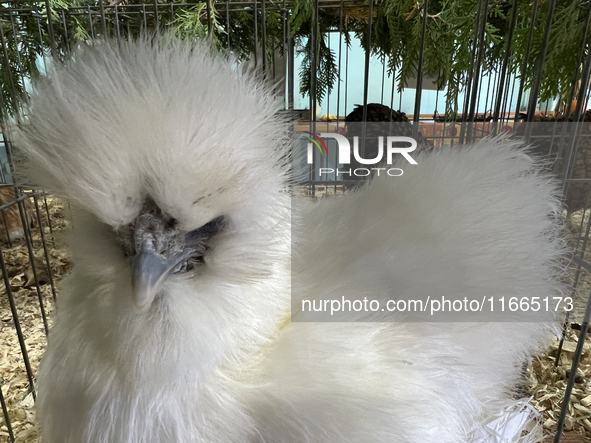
(205, 351)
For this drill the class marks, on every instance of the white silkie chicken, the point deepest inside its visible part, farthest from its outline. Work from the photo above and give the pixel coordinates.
(174, 326)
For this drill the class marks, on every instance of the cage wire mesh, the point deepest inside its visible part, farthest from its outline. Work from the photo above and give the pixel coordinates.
(445, 75)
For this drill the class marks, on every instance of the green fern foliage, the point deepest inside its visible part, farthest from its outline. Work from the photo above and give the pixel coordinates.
(449, 49)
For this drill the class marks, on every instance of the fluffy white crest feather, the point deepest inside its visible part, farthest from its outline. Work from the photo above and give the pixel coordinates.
(213, 358)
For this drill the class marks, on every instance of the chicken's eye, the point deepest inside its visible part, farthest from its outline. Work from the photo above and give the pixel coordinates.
(197, 244)
(188, 265)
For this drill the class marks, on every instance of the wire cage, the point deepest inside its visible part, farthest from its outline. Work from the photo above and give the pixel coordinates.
(444, 76)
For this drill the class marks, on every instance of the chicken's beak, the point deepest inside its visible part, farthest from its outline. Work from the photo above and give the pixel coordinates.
(148, 271)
